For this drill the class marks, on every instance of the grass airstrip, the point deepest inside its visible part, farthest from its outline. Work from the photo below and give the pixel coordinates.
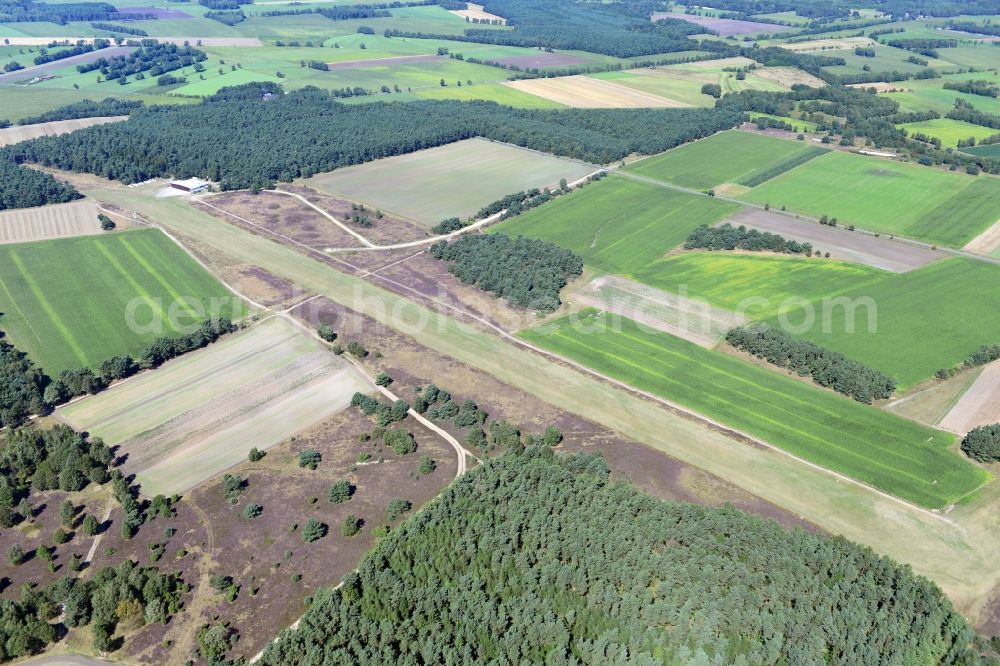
(895, 455)
(67, 302)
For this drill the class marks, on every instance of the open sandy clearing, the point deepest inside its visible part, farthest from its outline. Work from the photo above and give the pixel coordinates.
(987, 242)
(688, 318)
(789, 76)
(847, 43)
(77, 218)
(477, 12)
(978, 406)
(200, 414)
(18, 133)
(890, 255)
(454, 180)
(583, 92)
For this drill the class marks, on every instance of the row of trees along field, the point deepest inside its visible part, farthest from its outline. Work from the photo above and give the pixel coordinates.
(307, 132)
(538, 558)
(526, 272)
(151, 56)
(827, 368)
(867, 115)
(25, 390)
(728, 237)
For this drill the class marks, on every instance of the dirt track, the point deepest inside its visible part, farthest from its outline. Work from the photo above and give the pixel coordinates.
(980, 405)
(883, 253)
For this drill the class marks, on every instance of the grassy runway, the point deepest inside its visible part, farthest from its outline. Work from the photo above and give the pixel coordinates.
(888, 452)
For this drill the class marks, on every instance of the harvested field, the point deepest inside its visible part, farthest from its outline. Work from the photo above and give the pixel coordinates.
(159, 12)
(844, 44)
(18, 133)
(454, 180)
(72, 61)
(477, 12)
(384, 62)
(789, 76)
(77, 218)
(978, 406)
(201, 413)
(584, 92)
(987, 242)
(721, 26)
(541, 60)
(890, 255)
(692, 319)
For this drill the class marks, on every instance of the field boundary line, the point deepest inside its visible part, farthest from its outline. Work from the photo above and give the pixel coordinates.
(460, 451)
(135, 218)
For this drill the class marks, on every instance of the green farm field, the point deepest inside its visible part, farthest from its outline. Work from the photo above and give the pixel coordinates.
(619, 225)
(928, 204)
(757, 286)
(991, 150)
(66, 302)
(927, 319)
(895, 455)
(455, 180)
(931, 95)
(920, 320)
(729, 157)
(948, 131)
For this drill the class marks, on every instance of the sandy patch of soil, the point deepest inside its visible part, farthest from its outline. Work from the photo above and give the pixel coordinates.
(978, 406)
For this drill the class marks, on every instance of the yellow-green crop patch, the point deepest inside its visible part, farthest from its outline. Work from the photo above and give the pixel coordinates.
(76, 302)
(895, 455)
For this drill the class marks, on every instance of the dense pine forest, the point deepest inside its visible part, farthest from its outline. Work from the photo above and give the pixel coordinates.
(25, 188)
(534, 558)
(307, 132)
(526, 272)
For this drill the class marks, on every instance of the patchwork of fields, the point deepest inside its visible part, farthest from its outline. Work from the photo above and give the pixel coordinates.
(619, 225)
(455, 180)
(888, 452)
(887, 196)
(200, 414)
(730, 157)
(68, 302)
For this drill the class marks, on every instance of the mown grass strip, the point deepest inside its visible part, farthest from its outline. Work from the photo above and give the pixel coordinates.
(787, 164)
(895, 455)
